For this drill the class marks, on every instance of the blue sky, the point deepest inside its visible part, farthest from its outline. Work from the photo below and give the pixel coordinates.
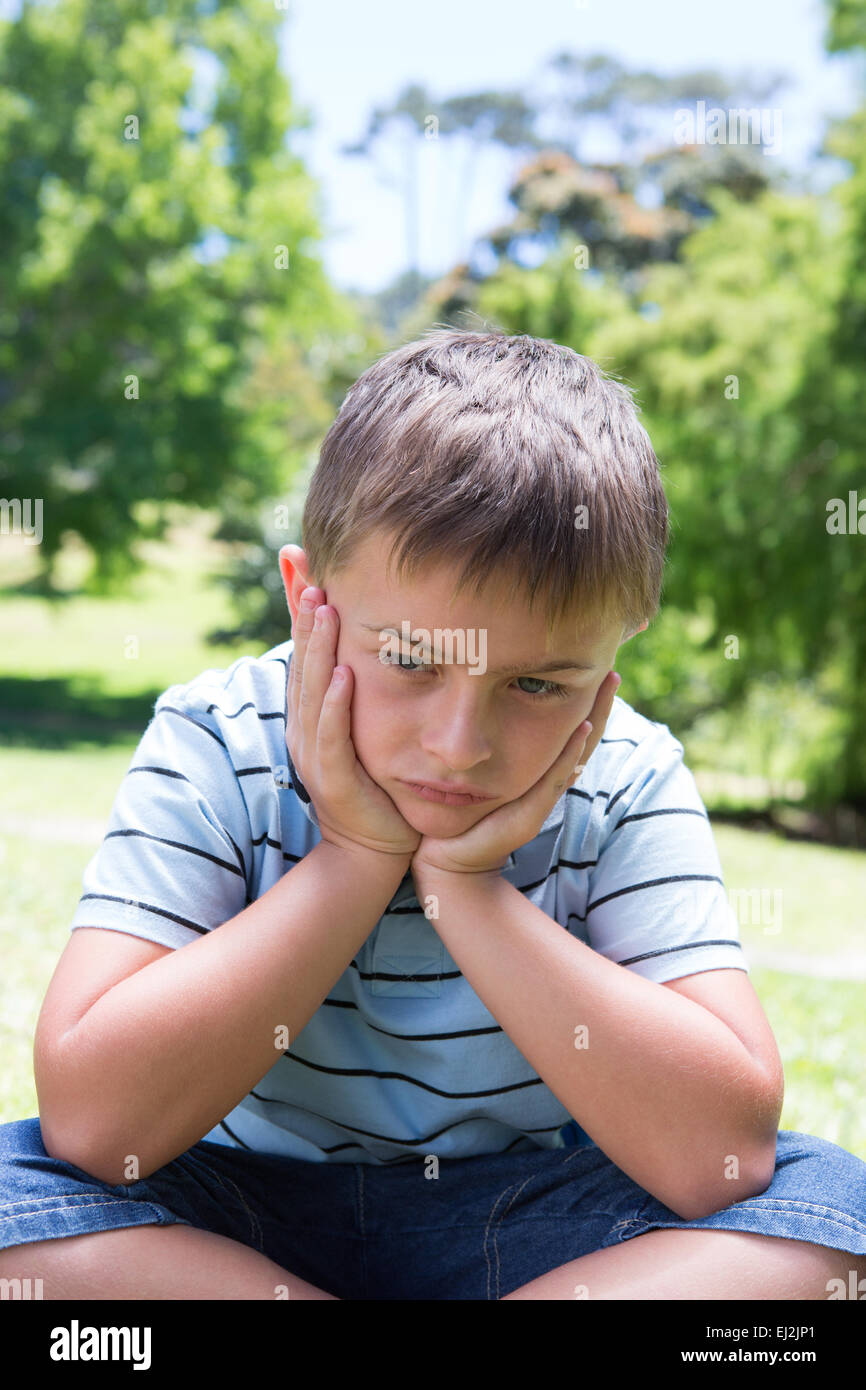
(344, 58)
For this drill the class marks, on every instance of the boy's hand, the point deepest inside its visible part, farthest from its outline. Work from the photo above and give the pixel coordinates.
(351, 808)
(485, 848)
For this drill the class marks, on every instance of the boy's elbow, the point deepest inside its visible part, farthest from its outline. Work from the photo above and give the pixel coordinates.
(70, 1147)
(739, 1175)
(739, 1182)
(77, 1148)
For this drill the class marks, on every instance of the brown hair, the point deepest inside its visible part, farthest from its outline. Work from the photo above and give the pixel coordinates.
(478, 448)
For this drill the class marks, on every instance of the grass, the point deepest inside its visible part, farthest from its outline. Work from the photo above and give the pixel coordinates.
(80, 669)
(822, 891)
(73, 705)
(820, 1030)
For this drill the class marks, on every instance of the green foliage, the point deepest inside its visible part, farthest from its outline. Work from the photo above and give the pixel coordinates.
(142, 221)
(846, 25)
(252, 576)
(748, 394)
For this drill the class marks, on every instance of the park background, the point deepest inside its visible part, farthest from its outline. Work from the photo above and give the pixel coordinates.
(214, 216)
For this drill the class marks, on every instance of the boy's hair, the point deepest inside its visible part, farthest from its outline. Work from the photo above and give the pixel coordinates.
(478, 448)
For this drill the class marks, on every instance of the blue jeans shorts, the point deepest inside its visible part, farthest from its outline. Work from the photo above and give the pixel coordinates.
(481, 1229)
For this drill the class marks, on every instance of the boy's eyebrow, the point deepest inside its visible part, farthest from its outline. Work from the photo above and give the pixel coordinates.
(517, 669)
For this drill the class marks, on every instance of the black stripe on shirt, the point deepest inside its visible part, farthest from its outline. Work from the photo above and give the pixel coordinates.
(390, 1139)
(411, 1080)
(654, 883)
(615, 798)
(663, 811)
(239, 854)
(561, 864)
(163, 772)
(176, 844)
(236, 1137)
(146, 907)
(415, 1037)
(276, 714)
(689, 946)
(385, 975)
(585, 795)
(522, 1138)
(171, 709)
(274, 844)
(169, 772)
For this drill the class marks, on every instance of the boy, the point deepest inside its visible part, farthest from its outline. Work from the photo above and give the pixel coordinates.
(476, 1022)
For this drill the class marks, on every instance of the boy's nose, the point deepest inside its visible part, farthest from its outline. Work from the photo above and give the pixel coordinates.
(457, 739)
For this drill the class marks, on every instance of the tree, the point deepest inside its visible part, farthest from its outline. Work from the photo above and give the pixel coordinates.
(156, 237)
(482, 118)
(755, 422)
(622, 215)
(634, 105)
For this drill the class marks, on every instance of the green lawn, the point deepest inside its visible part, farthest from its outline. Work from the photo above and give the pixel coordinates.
(72, 706)
(820, 1030)
(822, 892)
(88, 670)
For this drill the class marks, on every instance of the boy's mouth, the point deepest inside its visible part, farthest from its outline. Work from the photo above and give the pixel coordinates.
(433, 792)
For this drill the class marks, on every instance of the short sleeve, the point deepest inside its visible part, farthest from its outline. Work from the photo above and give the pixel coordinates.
(172, 864)
(656, 900)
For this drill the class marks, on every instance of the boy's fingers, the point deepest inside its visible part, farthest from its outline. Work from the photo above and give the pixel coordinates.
(585, 740)
(548, 789)
(600, 712)
(301, 629)
(334, 729)
(318, 667)
(575, 749)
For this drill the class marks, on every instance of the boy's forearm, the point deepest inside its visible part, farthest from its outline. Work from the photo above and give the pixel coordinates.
(659, 1083)
(160, 1058)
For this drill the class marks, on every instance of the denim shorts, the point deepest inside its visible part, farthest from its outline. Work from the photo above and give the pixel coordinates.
(479, 1230)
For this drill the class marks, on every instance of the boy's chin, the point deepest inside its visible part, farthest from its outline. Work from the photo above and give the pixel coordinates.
(442, 822)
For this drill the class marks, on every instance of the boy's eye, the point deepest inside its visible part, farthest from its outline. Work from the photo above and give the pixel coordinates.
(408, 666)
(551, 688)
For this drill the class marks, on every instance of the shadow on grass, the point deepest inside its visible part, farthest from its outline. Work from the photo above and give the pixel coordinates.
(843, 826)
(57, 711)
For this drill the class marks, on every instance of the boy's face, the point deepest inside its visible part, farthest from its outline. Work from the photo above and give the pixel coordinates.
(497, 733)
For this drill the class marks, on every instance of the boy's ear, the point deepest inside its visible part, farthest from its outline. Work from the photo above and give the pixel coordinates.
(644, 625)
(295, 575)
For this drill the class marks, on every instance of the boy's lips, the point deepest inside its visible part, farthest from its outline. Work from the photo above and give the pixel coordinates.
(449, 793)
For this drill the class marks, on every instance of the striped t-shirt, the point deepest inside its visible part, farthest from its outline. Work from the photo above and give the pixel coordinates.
(402, 1058)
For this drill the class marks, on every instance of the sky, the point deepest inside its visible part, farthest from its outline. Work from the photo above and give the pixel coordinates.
(343, 59)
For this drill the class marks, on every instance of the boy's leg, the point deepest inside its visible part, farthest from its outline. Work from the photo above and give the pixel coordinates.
(190, 1231)
(570, 1224)
(694, 1264)
(152, 1262)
